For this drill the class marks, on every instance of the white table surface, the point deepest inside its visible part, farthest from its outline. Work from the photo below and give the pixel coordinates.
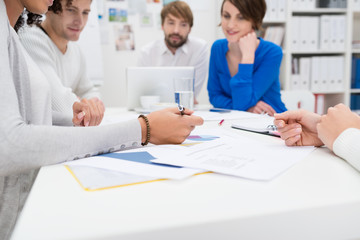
(318, 198)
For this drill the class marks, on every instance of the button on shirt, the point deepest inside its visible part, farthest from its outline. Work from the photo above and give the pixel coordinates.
(193, 53)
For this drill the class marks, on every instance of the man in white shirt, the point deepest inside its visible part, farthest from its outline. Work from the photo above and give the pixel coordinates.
(51, 45)
(178, 48)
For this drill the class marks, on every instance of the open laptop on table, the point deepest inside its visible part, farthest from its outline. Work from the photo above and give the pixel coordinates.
(142, 81)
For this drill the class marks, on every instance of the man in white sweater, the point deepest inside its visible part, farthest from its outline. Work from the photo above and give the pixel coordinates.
(178, 48)
(27, 139)
(339, 130)
(51, 45)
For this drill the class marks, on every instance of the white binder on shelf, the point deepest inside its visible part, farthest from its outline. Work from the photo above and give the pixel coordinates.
(305, 74)
(333, 69)
(295, 82)
(272, 9)
(313, 33)
(295, 75)
(325, 32)
(324, 69)
(281, 10)
(334, 33)
(315, 74)
(340, 30)
(340, 62)
(304, 33)
(295, 33)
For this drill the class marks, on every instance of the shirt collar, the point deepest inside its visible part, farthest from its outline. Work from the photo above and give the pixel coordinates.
(184, 48)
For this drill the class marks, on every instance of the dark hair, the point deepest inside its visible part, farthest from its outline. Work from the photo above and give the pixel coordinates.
(178, 9)
(251, 10)
(32, 18)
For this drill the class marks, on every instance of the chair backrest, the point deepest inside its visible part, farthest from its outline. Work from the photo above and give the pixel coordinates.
(296, 99)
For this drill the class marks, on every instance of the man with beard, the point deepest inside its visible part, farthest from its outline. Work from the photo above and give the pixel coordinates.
(52, 46)
(178, 48)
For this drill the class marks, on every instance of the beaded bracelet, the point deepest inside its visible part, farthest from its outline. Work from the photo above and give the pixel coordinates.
(147, 129)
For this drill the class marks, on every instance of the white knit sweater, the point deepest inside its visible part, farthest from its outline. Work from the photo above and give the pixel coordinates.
(66, 73)
(347, 146)
(27, 139)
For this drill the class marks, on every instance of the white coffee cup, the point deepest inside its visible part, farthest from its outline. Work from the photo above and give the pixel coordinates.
(160, 106)
(147, 101)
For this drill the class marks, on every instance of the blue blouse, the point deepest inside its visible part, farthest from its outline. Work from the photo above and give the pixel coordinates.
(252, 83)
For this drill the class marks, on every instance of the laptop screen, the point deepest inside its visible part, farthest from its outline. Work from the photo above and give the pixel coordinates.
(142, 81)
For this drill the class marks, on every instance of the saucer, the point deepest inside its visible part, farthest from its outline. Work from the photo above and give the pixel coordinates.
(143, 110)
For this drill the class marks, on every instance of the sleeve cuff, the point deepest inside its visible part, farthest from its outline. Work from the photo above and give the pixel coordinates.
(346, 146)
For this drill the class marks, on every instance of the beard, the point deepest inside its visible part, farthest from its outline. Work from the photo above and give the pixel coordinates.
(175, 44)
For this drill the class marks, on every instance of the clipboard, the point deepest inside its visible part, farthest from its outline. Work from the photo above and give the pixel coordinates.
(262, 125)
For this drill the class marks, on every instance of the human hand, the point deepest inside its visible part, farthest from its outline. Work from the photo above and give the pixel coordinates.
(167, 126)
(195, 101)
(298, 128)
(248, 45)
(338, 119)
(88, 112)
(262, 107)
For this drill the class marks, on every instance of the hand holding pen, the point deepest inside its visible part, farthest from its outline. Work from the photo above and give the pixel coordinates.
(181, 109)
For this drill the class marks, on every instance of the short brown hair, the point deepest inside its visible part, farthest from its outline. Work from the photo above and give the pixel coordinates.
(178, 9)
(251, 10)
(56, 6)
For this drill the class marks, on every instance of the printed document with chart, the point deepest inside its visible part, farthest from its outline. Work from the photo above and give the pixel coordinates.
(233, 154)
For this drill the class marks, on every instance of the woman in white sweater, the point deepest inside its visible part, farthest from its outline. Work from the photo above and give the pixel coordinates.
(339, 130)
(27, 139)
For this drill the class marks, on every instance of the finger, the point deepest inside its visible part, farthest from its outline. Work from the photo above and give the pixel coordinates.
(289, 126)
(342, 106)
(196, 121)
(290, 133)
(188, 111)
(78, 113)
(293, 141)
(94, 113)
(257, 110)
(98, 111)
(294, 115)
(87, 112)
(102, 109)
(78, 118)
(269, 110)
(279, 123)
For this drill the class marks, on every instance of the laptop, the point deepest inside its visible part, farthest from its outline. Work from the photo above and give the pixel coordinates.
(142, 81)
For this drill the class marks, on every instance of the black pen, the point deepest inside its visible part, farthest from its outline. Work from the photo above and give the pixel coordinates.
(181, 109)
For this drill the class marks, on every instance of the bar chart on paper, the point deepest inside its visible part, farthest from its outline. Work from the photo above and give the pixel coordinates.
(202, 138)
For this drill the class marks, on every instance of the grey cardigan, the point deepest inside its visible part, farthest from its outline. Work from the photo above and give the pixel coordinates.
(25, 145)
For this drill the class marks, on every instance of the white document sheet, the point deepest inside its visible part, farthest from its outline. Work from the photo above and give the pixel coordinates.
(240, 156)
(217, 116)
(136, 162)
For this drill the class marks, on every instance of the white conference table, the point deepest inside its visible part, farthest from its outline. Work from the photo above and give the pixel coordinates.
(318, 198)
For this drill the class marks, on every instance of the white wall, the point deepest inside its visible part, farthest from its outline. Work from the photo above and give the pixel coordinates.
(113, 90)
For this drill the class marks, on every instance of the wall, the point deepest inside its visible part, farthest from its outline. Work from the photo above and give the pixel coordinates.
(113, 89)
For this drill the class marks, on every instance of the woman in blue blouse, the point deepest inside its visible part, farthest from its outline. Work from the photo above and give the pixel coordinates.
(244, 69)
